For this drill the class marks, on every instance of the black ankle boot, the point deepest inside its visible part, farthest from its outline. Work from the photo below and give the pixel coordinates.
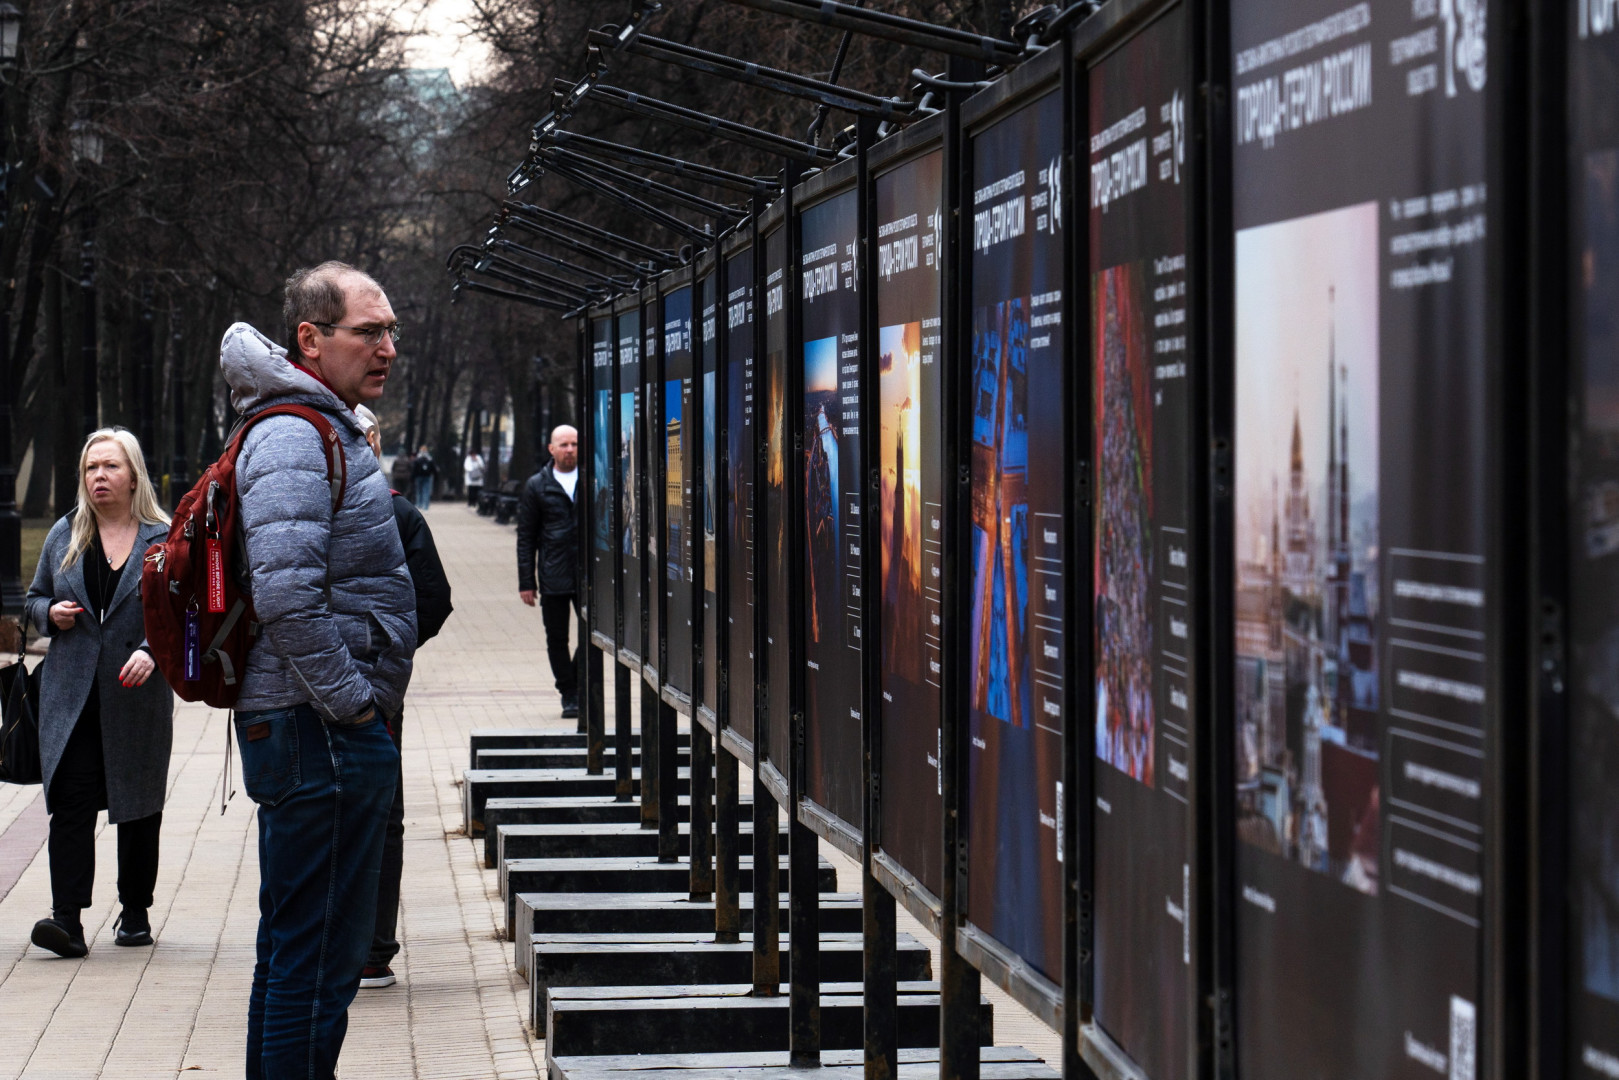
(62, 934)
(133, 927)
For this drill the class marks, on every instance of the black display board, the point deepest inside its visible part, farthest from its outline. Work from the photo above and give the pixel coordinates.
(1142, 555)
(1593, 566)
(740, 465)
(708, 512)
(679, 447)
(1363, 615)
(629, 477)
(652, 448)
(833, 500)
(1016, 589)
(603, 424)
(778, 436)
(909, 283)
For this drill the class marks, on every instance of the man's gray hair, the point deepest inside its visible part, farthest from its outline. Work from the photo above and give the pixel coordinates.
(314, 294)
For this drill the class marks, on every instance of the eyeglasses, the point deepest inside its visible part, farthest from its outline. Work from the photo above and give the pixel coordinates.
(371, 335)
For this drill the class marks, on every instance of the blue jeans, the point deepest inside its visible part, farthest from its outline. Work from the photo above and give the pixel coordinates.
(323, 794)
(424, 492)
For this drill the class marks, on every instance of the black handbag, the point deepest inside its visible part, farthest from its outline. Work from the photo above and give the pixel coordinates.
(19, 723)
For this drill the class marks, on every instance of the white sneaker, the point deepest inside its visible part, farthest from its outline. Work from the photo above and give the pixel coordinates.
(374, 978)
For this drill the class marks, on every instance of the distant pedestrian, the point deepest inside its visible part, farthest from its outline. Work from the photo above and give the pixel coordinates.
(329, 668)
(472, 474)
(422, 471)
(548, 532)
(399, 476)
(106, 719)
(432, 608)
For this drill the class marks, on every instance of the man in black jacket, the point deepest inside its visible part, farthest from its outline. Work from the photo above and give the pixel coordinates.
(548, 532)
(432, 608)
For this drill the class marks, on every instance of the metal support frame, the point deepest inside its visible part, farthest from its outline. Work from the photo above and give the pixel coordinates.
(804, 937)
(960, 984)
(603, 281)
(623, 736)
(766, 812)
(879, 914)
(727, 833)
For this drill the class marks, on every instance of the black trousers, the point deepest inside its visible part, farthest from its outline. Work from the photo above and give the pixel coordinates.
(384, 936)
(78, 793)
(556, 612)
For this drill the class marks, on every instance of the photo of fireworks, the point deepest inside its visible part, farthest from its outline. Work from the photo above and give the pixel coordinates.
(823, 427)
(900, 466)
(1123, 536)
(710, 481)
(601, 502)
(1001, 675)
(626, 468)
(673, 477)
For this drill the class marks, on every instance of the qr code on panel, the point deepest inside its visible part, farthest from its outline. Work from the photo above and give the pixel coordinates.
(1463, 1038)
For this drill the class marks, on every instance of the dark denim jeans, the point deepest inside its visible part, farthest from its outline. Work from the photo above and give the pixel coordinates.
(323, 794)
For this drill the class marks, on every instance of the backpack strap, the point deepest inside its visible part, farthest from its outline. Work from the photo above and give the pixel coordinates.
(336, 464)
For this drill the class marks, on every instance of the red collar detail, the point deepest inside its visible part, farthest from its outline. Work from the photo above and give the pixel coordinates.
(314, 375)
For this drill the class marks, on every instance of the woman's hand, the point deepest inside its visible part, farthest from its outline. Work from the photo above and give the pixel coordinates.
(137, 669)
(64, 613)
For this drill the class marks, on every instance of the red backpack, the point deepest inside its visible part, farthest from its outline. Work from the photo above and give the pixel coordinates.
(198, 624)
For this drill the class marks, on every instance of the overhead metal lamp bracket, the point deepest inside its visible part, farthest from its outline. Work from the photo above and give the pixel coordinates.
(765, 141)
(601, 187)
(529, 211)
(627, 179)
(774, 79)
(634, 155)
(506, 294)
(896, 28)
(511, 221)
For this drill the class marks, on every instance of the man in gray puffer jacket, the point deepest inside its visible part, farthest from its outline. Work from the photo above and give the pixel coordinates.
(337, 613)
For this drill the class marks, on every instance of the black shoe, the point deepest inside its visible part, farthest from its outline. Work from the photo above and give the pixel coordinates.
(60, 936)
(570, 706)
(133, 927)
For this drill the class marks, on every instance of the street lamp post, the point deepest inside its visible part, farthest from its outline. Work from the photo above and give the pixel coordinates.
(11, 593)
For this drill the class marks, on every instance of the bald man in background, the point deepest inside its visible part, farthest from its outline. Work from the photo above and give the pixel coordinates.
(548, 535)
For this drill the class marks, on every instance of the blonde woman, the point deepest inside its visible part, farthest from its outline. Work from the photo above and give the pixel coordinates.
(106, 715)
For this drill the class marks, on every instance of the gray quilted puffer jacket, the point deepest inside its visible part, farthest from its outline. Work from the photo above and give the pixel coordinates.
(332, 593)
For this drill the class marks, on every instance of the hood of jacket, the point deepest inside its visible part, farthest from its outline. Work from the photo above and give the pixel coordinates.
(259, 374)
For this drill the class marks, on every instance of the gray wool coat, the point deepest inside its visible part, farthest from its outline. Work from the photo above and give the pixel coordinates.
(137, 723)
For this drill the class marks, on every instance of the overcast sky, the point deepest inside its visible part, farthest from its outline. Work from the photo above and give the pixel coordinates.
(443, 41)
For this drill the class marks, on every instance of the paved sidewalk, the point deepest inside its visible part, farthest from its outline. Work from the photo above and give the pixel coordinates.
(179, 1010)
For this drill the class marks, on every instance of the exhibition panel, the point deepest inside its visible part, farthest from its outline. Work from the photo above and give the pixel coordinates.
(679, 465)
(601, 429)
(1016, 547)
(1142, 552)
(707, 509)
(629, 481)
(832, 490)
(909, 280)
(739, 467)
(1364, 616)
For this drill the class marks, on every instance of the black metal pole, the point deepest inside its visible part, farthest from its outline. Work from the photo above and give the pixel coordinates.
(879, 921)
(960, 984)
(727, 830)
(766, 814)
(803, 844)
(144, 350)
